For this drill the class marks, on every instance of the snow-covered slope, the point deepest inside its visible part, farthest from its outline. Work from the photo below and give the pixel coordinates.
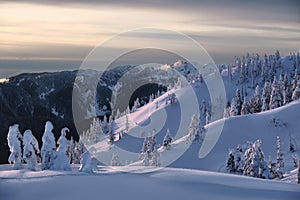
(237, 130)
(168, 183)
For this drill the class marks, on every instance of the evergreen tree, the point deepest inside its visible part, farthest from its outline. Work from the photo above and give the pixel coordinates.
(31, 148)
(245, 107)
(167, 140)
(48, 147)
(271, 166)
(153, 143)
(155, 159)
(146, 160)
(14, 139)
(255, 164)
(145, 147)
(88, 163)
(296, 93)
(78, 151)
(257, 103)
(266, 96)
(239, 101)
(193, 128)
(238, 159)
(61, 161)
(279, 160)
(276, 98)
(233, 108)
(230, 166)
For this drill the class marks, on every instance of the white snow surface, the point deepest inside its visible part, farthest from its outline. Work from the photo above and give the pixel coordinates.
(166, 183)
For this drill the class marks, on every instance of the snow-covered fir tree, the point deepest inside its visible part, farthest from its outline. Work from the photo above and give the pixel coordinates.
(155, 159)
(271, 166)
(245, 107)
(48, 147)
(239, 159)
(61, 160)
(145, 146)
(230, 165)
(14, 139)
(30, 151)
(296, 92)
(233, 108)
(193, 128)
(88, 163)
(71, 150)
(257, 103)
(279, 160)
(276, 99)
(255, 164)
(78, 151)
(146, 160)
(266, 96)
(167, 140)
(153, 142)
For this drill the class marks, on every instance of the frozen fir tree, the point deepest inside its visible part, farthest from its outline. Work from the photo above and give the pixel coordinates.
(239, 101)
(153, 142)
(245, 107)
(14, 139)
(279, 160)
(146, 160)
(61, 160)
(71, 150)
(30, 151)
(78, 151)
(276, 98)
(145, 146)
(255, 164)
(296, 92)
(257, 103)
(155, 159)
(88, 163)
(266, 96)
(230, 165)
(167, 140)
(193, 128)
(271, 166)
(48, 147)
(233, 108)
(295, 160)
(238, 159)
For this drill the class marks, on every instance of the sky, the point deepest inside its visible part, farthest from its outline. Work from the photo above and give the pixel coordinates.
(59, 34)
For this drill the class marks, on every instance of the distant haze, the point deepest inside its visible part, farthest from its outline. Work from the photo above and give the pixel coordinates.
(57, 35)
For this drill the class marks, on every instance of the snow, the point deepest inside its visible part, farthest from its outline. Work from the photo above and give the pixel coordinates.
(168, 183)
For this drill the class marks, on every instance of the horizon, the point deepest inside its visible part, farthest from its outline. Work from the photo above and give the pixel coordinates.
(57, 35)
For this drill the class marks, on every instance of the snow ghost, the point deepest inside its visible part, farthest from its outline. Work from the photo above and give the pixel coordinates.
(31, 149)
(14, 139)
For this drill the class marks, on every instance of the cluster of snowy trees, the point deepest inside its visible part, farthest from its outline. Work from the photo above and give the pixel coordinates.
(273, 87)
(99, 130)
(250, 160)
(149, 154)
(50, 156)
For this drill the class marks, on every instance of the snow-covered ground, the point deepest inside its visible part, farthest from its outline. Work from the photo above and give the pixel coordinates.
(167, 183)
